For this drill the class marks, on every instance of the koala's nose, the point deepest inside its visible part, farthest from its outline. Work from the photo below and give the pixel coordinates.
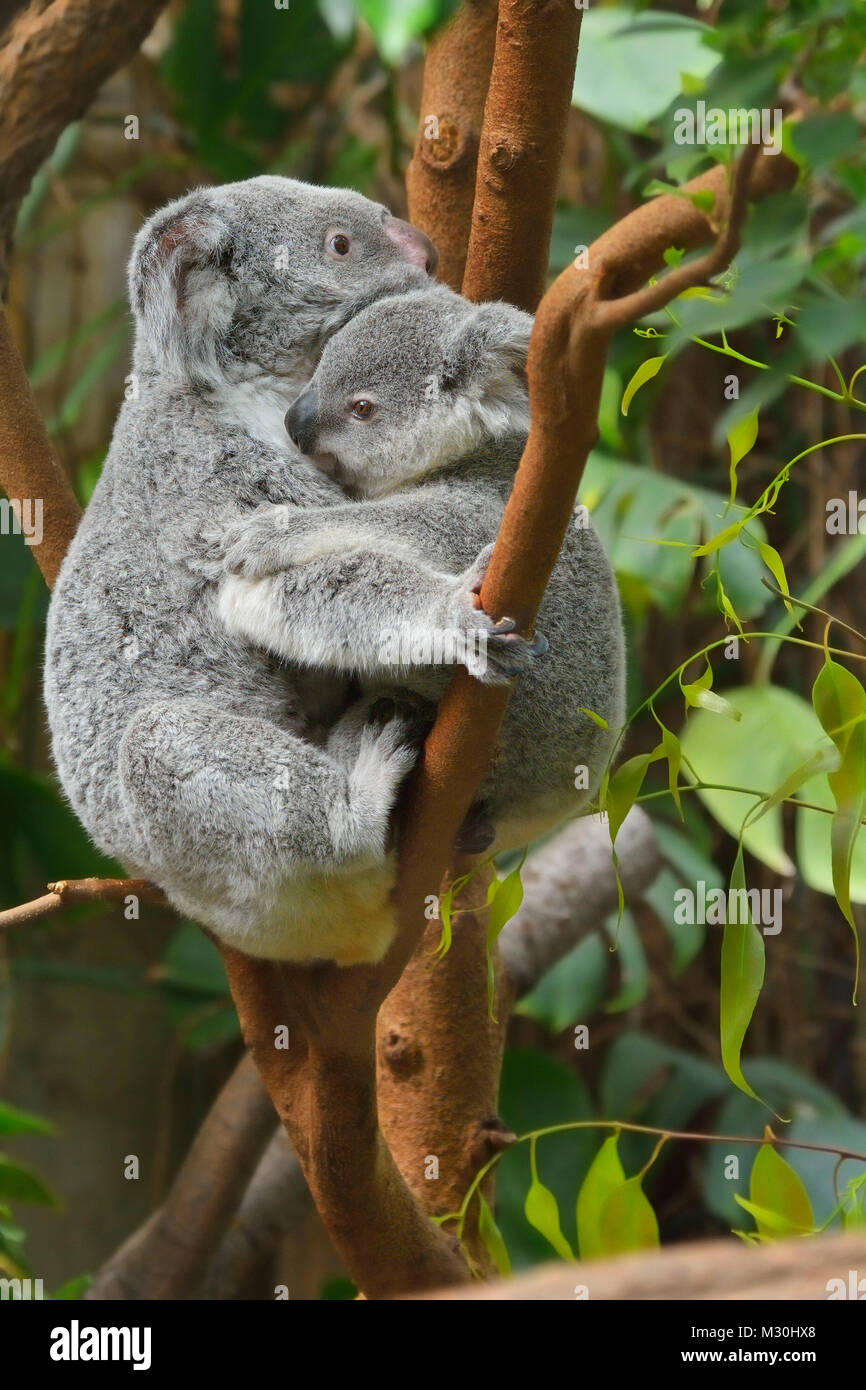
(302, 420)
(413, 245)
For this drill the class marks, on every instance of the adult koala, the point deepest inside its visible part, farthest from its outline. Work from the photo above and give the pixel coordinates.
(187, 755)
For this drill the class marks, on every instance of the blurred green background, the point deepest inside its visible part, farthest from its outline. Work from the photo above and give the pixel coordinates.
(118, 1032)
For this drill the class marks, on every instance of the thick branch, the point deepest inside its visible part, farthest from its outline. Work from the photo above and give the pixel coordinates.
(788, 1270)
(276, 1203)
(52, 62)
(440, 1058)
(521, 150)
(324, 1090)
(440, 180)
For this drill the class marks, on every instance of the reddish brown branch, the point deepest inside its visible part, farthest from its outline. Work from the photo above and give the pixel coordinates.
(521, 150)
(53, 60)
(440, 180)
(324, 1091)
(30, 468)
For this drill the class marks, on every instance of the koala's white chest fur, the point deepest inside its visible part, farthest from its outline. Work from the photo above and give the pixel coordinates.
(258, 406)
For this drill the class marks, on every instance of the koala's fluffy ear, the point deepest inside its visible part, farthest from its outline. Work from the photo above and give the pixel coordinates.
(491, 344)
(181, 285)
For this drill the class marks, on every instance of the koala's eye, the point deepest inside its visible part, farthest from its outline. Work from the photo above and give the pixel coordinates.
(339, 245)
(362, 409)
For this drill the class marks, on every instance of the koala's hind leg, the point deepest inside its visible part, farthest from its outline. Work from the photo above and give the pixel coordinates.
(258, 833)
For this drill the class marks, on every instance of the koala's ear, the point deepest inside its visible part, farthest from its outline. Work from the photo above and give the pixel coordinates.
(181, 281)
(492, 343)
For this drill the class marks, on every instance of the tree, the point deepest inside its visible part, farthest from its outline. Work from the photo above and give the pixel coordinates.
(406, 1055)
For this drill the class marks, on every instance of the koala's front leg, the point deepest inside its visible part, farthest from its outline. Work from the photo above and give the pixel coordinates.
(378, 613)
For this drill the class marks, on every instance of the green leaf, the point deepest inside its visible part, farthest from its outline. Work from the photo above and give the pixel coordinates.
(445, 901)
(15, 1121)
(649, 368)
(395, 23)
(773, 560)
(840, 704)
(742, 975)
(615, 44)
(627, 1221)
(698, 695)
(492, 1238)
(775, 1187)
(193, 964)
(504, 897)
(825, 137)
(73, 1288)
(572, 989)
(770, 1224)
(741, 438)
(20, 1184)
(542, 1212)
(623, 788)
(777, 734)
(604, 1177)
(673, 753)
(504, 902)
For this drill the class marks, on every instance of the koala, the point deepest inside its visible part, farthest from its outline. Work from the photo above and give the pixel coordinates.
(419, 409)
(256, 797)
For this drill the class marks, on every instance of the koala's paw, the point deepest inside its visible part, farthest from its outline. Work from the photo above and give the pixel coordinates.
(393, 731)
(407, 718)
(495, 652)
(257, 545)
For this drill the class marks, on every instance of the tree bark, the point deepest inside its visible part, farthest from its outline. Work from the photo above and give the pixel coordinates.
(786, 1271)
(521, 151)
(52, 60)
(440, 180)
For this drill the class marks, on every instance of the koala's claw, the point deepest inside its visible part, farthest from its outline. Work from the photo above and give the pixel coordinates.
(509, 654)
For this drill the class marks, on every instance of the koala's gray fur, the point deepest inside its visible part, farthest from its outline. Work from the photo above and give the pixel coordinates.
(187, 754)
(434, 465)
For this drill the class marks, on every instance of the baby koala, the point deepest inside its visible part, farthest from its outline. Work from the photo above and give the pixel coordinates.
(419, 409)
